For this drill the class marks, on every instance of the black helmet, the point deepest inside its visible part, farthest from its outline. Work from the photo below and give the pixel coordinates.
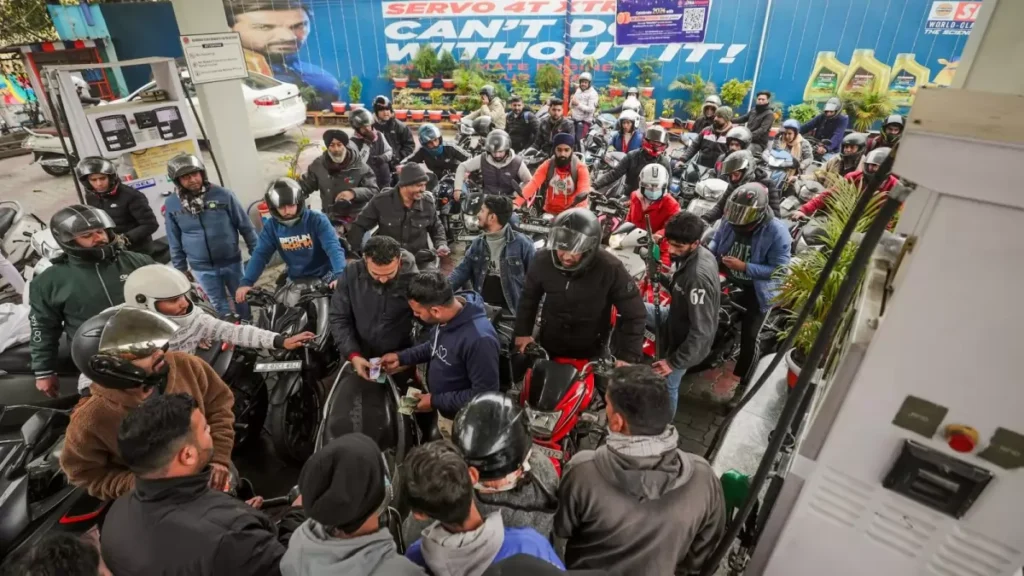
(857, 139)
(183, 165)
(428, 132)
(656, 134)
(498, 141)
(741, 134)
(876, 157)
(105, 345)
(739, 160)
(487, 90)
(747, 207)
(893, 120)
(75, 220)
(482, 125)
(360, 118)
(285, 192)
(96, 165)
(381, 103)
(575, 230)
(491, 433)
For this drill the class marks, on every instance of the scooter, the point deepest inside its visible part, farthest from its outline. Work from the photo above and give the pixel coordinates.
(16, 230)
(707, 193)
(48, 153)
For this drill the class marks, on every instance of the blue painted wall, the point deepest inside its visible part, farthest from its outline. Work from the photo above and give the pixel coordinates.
(133, 40)
(71, 22)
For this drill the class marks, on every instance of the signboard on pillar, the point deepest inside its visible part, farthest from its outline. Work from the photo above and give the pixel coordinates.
(214, 57)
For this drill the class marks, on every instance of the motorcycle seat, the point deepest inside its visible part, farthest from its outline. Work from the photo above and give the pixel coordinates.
(7, 215)
(18, 359)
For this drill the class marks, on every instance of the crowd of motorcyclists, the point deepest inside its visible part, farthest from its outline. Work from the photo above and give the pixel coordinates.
(154, 430)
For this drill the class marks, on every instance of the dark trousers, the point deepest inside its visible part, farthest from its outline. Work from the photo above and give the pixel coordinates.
(750, 327)
(582, 129)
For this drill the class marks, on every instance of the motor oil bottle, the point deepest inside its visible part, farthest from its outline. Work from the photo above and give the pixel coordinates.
(825, 77)
(906, 79)
(865, 74)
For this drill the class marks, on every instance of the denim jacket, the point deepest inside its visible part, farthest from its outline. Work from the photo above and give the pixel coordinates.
(770, 249)
(515, 261)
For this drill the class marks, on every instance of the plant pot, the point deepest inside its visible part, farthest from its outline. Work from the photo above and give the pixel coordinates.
(666, 123)
(454, 116)
(794, 368)
(338, 107)
(448, 83)
(401, 114)
(615, 91)
(435, 115)
(417, 115)
(426, 83)
(355, 106)
(647, 91)
(400, 82)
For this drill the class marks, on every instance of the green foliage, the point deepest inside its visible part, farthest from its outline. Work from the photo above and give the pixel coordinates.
(425, 61)
(392, 71)
(867, 108)
(468, 81)
(436, 97)
(649, 68)
(648, 104)
(698, 89)
(734, 91)
(668, 107)
(446, 64)
(521, 87)
(309, 95)
(302, 144)
(404, 99)
(24, 21)
(548, 78)
(802, 113)
(620, 72)
(355, 89)
(589, 64)
(468, 103)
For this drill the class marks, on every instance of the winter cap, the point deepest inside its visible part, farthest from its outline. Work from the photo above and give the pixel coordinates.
(334, 134)
(412, 174)
(724, 112)
(563, 138)
(343, 483)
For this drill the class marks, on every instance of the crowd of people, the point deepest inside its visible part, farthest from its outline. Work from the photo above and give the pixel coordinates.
(154, 430)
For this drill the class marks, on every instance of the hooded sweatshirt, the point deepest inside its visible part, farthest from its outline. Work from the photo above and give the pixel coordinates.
(463, 357)
(309, 248)
(658, 513)
(470, 553)
(312, 553)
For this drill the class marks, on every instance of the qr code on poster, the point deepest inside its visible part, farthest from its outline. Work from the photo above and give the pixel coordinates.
(693, 19)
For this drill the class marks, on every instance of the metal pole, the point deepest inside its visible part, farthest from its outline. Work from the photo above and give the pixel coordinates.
(652, 272)
(202, 130)
(760, 55)
(49, 80)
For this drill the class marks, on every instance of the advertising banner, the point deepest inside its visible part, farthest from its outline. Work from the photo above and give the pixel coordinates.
(951, 18)
(649, 22)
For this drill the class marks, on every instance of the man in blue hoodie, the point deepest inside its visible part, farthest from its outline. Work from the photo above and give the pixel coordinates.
(462, 348)
(304, 238)
(828, 126)
(203, 223)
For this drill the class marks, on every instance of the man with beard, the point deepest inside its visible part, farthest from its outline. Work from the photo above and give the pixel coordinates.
(134, 221)
(123, 352)
(272, 33)
(372, 146)
(521, 124)
(398, 135)
(203, 224)
(67, 294)
(651, 151)
(759, 121)
(711, 142)
(345, 182)
(562, 180)
(404, 213)
(554, 123)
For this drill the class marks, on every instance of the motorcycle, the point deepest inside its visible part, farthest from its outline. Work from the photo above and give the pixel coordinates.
(563, 407)
(804, 190)
(466, 227)
(235, 367)
(48, 153)
(707, 193)
(16, 230)
(444, 197)
(611, 212)
(606, 163)
(294, 378)
(467, 135)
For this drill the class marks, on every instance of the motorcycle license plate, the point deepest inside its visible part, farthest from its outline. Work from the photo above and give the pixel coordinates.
(463, 238)
(293, 366)
(606, 209)
(534, 228)
(549, 452)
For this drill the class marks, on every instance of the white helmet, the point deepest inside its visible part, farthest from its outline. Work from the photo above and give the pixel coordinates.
(653, 181)
(146, 285)
(631, 103)
(630, 116)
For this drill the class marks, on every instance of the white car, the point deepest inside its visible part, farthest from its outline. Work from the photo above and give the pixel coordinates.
(274, 107)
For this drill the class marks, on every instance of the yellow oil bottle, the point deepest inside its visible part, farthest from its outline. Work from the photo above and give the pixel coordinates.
(828, 71)
(906, 79)
(864, 74)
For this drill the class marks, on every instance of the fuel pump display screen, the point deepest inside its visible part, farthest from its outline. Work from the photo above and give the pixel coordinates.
(116, 133)
(168, 121)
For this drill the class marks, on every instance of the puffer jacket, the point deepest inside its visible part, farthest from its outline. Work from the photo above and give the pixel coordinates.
(522, 129)
(129, 209)
(399, 137)
(413, 227)
(630, 167)
(586, 105)
(709, 145)
(331, 178)
(208, 240)
(759, 176)
(376, 154)
(495, 111)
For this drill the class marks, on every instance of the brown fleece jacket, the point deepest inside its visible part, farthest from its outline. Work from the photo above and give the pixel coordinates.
(90, 456)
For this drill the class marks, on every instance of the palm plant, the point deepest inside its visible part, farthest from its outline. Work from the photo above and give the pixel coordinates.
(698, 88)
(867, 108)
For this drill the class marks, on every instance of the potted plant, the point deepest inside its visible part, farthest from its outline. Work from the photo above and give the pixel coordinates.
(454, 116)
(619, 75)
(798, 279)
(667, 119)
(426, 64)
(735, 92)
(802, 113)
(355, 92)
(396, 74)
(867, 108)
(436, 100)
(648, 75)
(446, 66)
(548, 78)
(402, 101)
(698, 89)
(468, 81)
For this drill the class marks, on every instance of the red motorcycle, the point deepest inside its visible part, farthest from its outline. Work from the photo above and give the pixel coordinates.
(562, 404)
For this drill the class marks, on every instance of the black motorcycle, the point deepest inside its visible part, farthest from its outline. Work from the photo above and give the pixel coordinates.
(18, 381)
(294, 379)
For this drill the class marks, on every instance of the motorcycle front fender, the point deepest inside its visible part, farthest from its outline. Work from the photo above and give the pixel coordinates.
(287, 384)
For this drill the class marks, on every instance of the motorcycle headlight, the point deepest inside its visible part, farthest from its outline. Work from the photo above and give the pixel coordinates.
(470, 222)
(542, 424)
(615, 241)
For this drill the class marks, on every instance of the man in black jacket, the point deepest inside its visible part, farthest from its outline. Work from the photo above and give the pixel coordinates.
(552, 124)
(398, 135)
(173, 522)
(521, 124)
(440, 158)
(406, 213)
(134, 221)
(345, 182)
(759, 121)
(739, 168)
(653, 150)
(711, 143)
(581, 283)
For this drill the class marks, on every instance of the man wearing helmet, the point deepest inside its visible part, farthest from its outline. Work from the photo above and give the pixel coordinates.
(345, 182)
(406, 213)
(830, 125)
(490, 106)
(710, 143)
(440, 157)
(303, 238)
(872, 163)
(583, 105)
(67, 294)
(707, 115)
(372, 146)
(501, 170)
(491, 432)
(124, 352)
(740, 168)
(752, 245)
(847, 161)
(203, 224)
(398, 135)
(134, 221)
(736, 139)
(628, 137)
(652, 151)
(653, 200)
(759, 121)
(554, 123)
(581, 282)
(563, 180)
(521, 124)
(889, 137)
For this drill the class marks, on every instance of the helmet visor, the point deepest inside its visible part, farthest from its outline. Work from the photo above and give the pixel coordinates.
(132, 333)
(569, 240)
(741, 214)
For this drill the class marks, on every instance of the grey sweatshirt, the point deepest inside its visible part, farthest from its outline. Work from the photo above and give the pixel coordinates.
(312, 553)
(463, 553)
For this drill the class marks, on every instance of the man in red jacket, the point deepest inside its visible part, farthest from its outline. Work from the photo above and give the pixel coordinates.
(652, 200)
(872, 161)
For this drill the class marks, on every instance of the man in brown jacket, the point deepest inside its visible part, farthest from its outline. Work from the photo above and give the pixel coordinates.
(123, 352)
(639, 504)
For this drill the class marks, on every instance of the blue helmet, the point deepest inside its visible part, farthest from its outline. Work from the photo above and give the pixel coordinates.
(791, 123)
(428, 132)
